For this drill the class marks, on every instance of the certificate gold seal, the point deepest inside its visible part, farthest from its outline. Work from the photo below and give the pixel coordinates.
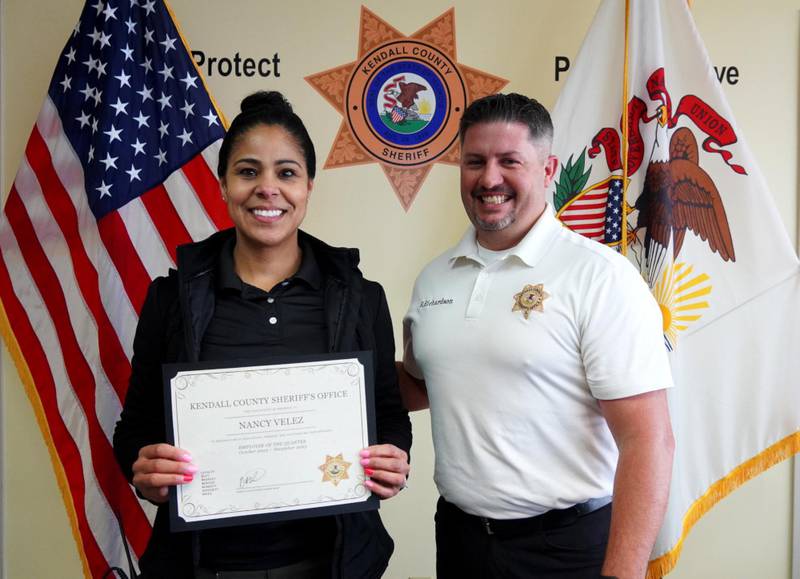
(334, 469)
(531, 298)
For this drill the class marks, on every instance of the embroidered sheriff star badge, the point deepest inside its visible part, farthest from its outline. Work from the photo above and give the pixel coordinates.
(529, 299)
(334, 469)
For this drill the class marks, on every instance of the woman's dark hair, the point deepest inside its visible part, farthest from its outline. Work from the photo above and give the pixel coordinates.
(271, 109)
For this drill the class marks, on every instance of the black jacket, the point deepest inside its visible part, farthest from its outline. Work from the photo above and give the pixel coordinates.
(173, 320)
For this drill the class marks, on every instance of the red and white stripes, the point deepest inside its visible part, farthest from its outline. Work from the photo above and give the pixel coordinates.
(72, 288)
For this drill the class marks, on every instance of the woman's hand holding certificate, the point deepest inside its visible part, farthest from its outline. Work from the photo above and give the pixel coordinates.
(159, 467)
(387, 469)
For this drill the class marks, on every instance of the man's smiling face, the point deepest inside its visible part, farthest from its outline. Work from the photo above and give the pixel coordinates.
(504, 179)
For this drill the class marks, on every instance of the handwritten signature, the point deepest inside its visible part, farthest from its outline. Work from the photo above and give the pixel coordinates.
(251, 477)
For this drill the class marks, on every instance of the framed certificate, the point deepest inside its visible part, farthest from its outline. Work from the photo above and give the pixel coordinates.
(273, 440)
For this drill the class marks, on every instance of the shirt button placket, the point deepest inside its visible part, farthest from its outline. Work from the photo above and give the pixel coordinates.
(272, 318)
(478, 297)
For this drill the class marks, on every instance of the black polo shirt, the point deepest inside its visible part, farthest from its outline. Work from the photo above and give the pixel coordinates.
(250, 323)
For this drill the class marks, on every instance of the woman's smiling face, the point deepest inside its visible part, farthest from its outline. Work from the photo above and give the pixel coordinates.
(266, 187)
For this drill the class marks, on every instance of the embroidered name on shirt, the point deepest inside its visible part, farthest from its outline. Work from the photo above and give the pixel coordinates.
(435, 302)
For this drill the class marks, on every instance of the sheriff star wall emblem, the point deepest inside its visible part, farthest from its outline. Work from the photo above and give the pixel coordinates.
(401, 100)
(334, 469)
(531, 298)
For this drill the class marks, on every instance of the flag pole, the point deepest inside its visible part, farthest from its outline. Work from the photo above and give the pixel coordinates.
(625, 136)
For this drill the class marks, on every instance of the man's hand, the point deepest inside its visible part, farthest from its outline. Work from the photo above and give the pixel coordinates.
(643, 433)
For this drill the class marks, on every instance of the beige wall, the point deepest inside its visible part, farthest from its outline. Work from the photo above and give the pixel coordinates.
(747, 536)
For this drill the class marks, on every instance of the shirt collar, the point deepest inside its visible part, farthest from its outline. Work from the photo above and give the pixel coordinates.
(529, 250)
(227, 273)
(309, 270)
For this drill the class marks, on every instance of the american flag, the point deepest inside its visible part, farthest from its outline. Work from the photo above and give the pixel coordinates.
(597, 212)
(117, 172)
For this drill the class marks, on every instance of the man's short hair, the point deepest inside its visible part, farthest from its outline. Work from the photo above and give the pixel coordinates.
(510, 108)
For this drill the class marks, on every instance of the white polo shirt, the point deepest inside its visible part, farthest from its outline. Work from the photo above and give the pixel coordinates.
(517, 429)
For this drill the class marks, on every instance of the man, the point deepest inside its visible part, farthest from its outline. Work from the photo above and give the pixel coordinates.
(541, 356)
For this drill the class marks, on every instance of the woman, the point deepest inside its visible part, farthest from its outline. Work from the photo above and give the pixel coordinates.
(262, 288)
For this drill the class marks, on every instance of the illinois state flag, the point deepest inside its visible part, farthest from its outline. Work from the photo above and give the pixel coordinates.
(117, 171)
(673, 185)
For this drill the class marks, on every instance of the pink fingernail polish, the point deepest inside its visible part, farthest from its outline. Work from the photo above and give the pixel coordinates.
(190, 468)
(188, 478)
(369, 471)
(364, 453)
(364, 461)
(186, 457)
(369, 483)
